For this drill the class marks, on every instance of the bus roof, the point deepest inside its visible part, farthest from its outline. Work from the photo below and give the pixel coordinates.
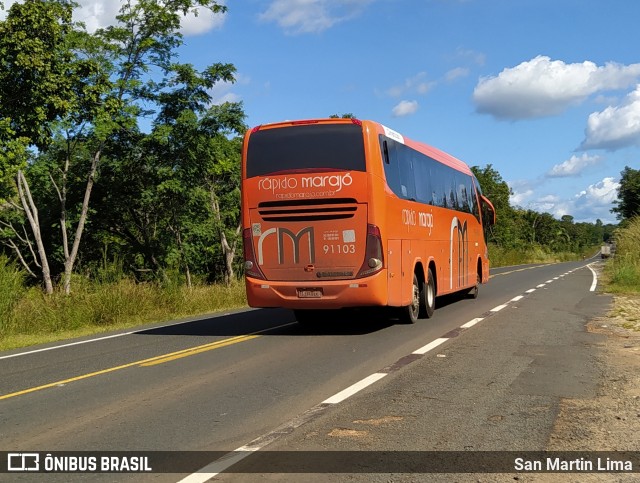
(424, 148)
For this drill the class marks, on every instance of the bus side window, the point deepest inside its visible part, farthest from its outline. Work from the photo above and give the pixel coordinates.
(407, 172)
(390, 163)
(423, 179)
(465, 190)
(475, 194)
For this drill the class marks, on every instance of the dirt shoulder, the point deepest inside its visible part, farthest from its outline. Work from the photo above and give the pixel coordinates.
(611, 420)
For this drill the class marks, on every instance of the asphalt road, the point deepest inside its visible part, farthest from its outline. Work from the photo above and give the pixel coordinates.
(219, 383)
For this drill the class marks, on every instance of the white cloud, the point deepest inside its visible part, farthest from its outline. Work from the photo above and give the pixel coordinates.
(522, 190)
(416, 84)
(519, 197)
(588, 205)
(542, 87)
(615, 127)
(203, 22)
(405, 108)
(553, 207)
(477, 58)
(97, 13)
(221, 92)
(311, 16)
(456, 73)
(573, 166)
(7, 5)
(596, 201)
(101, 13)
(549, 199)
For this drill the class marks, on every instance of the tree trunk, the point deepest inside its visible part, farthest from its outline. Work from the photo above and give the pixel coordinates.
(228, 250)
(32, 215)
(185, 262)
(70, 257)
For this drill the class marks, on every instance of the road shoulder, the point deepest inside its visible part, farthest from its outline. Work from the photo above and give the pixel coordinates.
(531, 378)
(611, 420)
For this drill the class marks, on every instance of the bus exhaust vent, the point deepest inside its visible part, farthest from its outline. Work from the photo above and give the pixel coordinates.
(308, 210)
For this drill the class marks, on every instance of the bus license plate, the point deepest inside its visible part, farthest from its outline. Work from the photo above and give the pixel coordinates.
(309, 293)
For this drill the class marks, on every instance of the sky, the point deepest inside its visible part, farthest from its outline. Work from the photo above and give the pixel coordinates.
(545, 91)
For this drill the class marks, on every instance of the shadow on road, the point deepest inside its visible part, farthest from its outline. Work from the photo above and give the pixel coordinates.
(278, 322)
(282, 322)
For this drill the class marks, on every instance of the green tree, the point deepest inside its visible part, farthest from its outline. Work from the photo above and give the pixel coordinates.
(506, 231)
(172, 196)
(108, 86)
(36, 83)
(628, 202)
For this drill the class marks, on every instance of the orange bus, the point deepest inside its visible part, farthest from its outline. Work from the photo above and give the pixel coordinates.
(344, 213)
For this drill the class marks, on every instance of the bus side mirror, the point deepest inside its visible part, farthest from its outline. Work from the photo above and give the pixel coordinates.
(488, 211)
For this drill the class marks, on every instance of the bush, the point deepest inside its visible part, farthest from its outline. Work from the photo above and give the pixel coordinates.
(11, 291)
(624, 268)
(93, 307)
(501, 257)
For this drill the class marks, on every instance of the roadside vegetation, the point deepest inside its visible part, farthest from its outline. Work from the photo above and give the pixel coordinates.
(502, 257)
(106, 225)
(28, 316)
(622, 275)
(623, 270)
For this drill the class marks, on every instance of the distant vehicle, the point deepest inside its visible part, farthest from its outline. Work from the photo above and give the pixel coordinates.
(346, 213)
(605, 251)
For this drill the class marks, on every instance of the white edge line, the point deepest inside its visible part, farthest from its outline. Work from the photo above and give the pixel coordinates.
(70, 344)
(98, 339)
(355, 388)
(221, 464)
(471, 323)
(595, 279)
(218, 466)
(430, 346)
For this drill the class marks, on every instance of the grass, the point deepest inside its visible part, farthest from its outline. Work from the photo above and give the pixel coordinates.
(627, 309)
(30, 317)
(11, 290)
(623, 269)
(622, 276)
(502, 257)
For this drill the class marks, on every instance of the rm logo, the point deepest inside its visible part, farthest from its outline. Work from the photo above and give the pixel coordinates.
(295, 238)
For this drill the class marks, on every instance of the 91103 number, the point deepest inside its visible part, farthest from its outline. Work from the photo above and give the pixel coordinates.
(337, 249)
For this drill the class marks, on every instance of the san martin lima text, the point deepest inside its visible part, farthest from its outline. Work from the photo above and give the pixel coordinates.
(576, 465)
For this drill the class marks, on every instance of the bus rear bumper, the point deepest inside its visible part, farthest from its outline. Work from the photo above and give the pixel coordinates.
(363, 292)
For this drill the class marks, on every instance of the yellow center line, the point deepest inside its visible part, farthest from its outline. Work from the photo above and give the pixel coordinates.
(195, 350)
(142, 363)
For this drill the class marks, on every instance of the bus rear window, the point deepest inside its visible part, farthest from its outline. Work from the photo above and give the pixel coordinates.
(306, 147)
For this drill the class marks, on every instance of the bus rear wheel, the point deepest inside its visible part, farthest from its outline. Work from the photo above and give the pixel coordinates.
(473, 291)
(428, 297)
(409, 314)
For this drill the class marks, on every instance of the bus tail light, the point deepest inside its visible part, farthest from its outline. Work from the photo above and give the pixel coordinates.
(374, 256)
(251, 267)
